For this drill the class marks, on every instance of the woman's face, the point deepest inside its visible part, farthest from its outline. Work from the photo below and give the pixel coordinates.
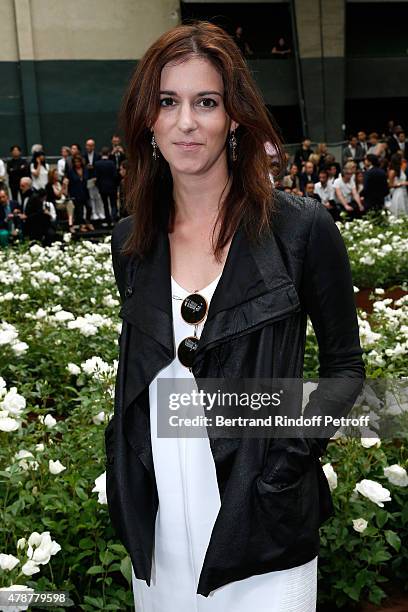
(192, 111)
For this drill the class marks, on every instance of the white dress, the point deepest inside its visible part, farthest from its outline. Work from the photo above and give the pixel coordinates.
(189, 502)
(398, 202)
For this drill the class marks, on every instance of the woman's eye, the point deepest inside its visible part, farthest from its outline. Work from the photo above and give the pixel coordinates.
(213, 102)
(165, 100)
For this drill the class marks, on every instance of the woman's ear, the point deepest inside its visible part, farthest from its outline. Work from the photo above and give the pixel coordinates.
(234, 125)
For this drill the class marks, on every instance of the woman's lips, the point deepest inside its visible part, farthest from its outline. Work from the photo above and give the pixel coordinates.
(188, 147)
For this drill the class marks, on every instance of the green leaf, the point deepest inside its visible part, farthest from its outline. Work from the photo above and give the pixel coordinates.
(126, 568)
(381, 518)
(96, 569)
(393, 539)
(379, 556)
(87, 543)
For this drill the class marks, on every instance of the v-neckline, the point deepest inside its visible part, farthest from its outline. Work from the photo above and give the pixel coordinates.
(200, 290)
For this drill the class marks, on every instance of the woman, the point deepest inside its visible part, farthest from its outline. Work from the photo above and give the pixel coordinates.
(57, 193)
(214, 523)
(397, 203)
(78, 191)
(39, 170)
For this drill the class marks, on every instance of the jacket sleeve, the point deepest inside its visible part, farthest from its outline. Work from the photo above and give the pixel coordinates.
(329, 301)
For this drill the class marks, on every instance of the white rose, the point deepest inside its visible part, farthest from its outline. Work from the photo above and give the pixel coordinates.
(8, 562)
(373, 491)
(13, 402)
(21, 543)
(7, 424)
(55, 467)
(396, 475)
(49, 420)
(19, 348)
(330, 475)
(359, 525)
(100, 488)
(99, 418)
(371, 441)
(73, 369)
(29, 568)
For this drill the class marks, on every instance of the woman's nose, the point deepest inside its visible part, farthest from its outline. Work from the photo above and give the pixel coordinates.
(186, 119)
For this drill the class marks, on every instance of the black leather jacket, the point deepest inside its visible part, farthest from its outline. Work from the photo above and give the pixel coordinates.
(255, 327)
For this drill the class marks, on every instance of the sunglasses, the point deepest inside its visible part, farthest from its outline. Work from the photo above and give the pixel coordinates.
(194, 309)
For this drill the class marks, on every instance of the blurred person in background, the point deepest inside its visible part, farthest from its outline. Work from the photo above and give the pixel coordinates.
(322, 152)
(375, 184)
(345, 193)
(10, 218)
(107, 184)
(292, 181)
(39, 170)
(26, 190)
(78, 191)
(90, 158)
(62, 162)
(309, 175)
(403, 144)
(57, 193)
(17, 167)
(39, 222)
(397, 183)
(303, 153)
(353, 151)
(281, 49)
(359, 178)
(325, 190)
(393, 140)
(241, 41)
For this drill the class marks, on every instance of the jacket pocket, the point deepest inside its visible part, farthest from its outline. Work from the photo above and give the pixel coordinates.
(281, 505)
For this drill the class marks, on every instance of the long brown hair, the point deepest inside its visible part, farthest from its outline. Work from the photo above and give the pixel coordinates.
(148, 185)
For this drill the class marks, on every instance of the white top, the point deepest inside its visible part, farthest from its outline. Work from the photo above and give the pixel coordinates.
(189, 503)
(40, 181)
(345, 188)
(325, 193)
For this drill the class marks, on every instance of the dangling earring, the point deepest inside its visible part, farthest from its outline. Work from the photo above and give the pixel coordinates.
(233, 146)
(155, 148)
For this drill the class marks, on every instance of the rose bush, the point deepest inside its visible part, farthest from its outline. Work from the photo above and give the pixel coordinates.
(59, 328)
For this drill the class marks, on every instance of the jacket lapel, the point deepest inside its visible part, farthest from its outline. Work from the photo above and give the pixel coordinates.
(254, 289)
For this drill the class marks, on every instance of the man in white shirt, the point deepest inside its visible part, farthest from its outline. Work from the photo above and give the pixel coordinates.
(345, 194)
(325, 190)
(91, 156)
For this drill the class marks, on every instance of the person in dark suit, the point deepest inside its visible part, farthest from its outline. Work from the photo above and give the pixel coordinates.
(17, 167)
(353, 151)
(117, 154)
(403, 145)
(78, 191)
(106, 182)
(302, 154)
(393, 141)
(375, 184)
(308, 176)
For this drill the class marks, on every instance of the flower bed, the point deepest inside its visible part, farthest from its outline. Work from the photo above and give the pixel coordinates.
(56, 388)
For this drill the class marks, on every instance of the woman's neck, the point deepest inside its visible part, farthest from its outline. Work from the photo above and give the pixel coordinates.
(197, 198)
